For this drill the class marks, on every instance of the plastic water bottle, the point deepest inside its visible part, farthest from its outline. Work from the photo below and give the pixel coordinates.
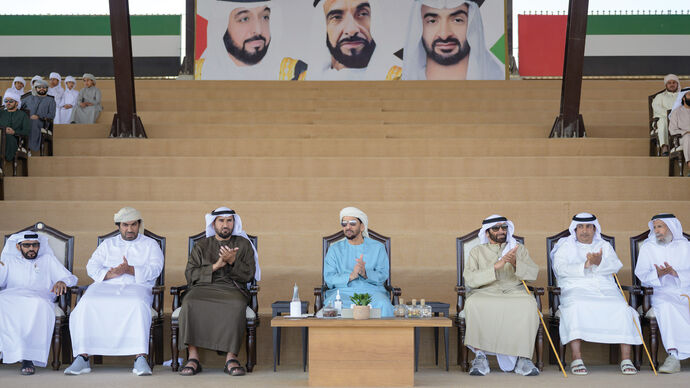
(338, 304)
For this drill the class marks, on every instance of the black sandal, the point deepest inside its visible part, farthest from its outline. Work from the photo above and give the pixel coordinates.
(27, 368)
(186, 367)
(235, 370)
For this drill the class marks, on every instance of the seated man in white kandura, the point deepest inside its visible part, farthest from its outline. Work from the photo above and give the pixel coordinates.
(502, 318)
(664, 263)
(30, 278)
(113, 318)
(592, 306)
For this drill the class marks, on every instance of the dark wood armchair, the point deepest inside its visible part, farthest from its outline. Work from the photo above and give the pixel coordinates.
(252, 312)
(464, 245)
(647, 317)
(554, 302)
(63, 246)
(320, 292)
(654, 146)
(155, 355)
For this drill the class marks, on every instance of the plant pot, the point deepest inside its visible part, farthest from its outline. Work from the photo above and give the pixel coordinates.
(360, 312)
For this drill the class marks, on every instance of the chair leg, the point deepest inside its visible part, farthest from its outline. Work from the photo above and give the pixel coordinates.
(251, 347)
(436, 345)
(97, 359)
(175, 365)
(66, 344)
(654, 341)
(458, 358)
(56, 344)
(464, 351)
(152, 350)
(158, 343)
(540, 348)
(614, 352)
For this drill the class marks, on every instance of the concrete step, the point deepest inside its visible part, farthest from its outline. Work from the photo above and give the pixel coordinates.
(344, 147)
(212, 166)
(96, 188)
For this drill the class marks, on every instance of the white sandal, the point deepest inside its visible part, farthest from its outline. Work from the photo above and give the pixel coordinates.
(628, 368)
(577, 367)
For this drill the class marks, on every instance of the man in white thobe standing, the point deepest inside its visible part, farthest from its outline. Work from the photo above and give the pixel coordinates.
(664, 264)
(30, 278)
(113, 317)
(592, 307)
(661, 104)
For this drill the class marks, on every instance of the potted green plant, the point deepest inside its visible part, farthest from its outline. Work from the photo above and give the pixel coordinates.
(360, 306)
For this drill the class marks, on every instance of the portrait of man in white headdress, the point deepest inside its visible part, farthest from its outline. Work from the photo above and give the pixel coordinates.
(349, 51)
(243, 40)
(446, 41)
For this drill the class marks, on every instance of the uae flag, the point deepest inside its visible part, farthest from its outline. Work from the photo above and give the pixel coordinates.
(616, 45)
(76, 44)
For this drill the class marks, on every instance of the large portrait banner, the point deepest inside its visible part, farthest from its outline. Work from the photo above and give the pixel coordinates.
(354, 40)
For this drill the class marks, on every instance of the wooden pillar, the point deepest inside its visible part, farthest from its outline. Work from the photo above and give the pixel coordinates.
(569, 123)
(126, 123)
(190, 34)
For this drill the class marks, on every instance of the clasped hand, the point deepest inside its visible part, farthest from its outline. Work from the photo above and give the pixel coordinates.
(226, 256)
(59, 288)
(359, 269)
(509, 257)
(121, 269)
(593, 258)
(666, 269)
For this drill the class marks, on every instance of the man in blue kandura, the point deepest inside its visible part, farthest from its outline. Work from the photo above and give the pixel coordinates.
(357, 264)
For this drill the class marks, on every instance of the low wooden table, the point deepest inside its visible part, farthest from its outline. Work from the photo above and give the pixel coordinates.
(371, 352)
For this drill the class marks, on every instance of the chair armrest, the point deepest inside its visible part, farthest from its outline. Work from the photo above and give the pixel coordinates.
(396, 293)
(254, 303)
(157, 292)
(78, 291)
(647, 298)
(461, 292)
(538, 292)
(553, 290)
(176, 292)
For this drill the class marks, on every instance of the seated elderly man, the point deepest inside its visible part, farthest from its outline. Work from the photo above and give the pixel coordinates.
(213, 314)
(661, 104)
(501, 317)
(113, 318)
(664, 264)
(357, 264)
(30, 278)
(15, 122)
(592, 306)
(679, 124)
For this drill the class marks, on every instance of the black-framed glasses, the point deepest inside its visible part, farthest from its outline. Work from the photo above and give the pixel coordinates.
(497, 227)
(30, 245)
(346, 223)
(8, 101)
(41, 87)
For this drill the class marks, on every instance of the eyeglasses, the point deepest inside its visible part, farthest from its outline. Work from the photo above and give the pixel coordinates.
(351, 223)
(8, 101)
(30, 245)
(41, 87)
(497, 227)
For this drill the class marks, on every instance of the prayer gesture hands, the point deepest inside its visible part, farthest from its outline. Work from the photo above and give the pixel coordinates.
(593, 258)
(666, 269)
(359, 269)
(59, 288)
(509, 257)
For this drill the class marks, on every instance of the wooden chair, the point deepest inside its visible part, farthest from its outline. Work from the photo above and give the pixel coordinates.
(654, 146)
(320, 292)
(463, 246)
(252, 312)
(155, 355)
(647, 317)
(63, 247)
(554, 302)
(47, 138)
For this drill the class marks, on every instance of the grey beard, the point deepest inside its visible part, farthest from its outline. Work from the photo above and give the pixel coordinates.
(664, 239)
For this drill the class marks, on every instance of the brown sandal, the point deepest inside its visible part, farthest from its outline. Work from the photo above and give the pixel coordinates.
(195, 370)
(234, 370)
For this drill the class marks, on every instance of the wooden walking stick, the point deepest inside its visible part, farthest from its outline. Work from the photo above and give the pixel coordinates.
(680, 295)
(636, 326)
(546, 330)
